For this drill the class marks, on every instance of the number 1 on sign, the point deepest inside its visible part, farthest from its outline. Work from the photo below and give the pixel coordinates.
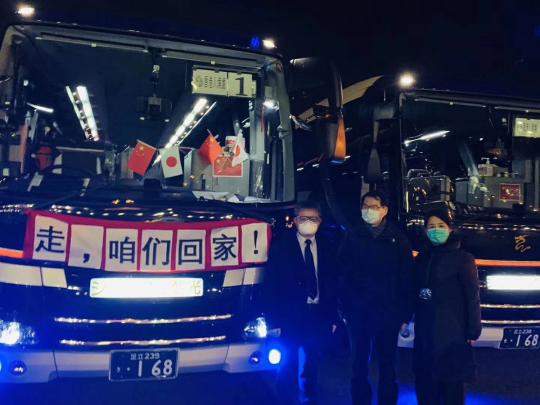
(241, 81)
(241, 85)
(140, 368)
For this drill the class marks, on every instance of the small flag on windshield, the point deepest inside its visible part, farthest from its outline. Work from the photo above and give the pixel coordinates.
(141, 158)
(210, 149)
(170, 162)
(240, 153)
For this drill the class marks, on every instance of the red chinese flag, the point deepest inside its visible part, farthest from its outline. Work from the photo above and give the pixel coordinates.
(141, 158)
(210, 149)
(223, 167)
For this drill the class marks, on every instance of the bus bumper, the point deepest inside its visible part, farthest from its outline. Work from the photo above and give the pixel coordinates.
(40, 366)
(491, 337)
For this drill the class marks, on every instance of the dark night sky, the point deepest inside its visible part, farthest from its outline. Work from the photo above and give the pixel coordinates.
(479, 40)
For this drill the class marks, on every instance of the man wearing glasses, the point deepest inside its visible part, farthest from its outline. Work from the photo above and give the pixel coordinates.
(376, 292)
(301, 295)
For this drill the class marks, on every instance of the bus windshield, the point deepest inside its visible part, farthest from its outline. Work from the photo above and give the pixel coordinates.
(478, 159)
(85, 102)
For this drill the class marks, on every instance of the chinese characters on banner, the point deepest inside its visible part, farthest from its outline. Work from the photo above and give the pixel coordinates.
(147, 247)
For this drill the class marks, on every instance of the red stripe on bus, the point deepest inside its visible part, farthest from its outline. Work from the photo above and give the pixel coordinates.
(14, 254)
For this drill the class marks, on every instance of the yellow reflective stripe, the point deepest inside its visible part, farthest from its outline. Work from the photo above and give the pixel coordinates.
(19, 274)
(253, 275)
(53, 277)
(33, 276)
(248, 276)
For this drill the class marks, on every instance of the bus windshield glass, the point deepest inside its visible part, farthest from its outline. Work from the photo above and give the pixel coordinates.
(481, 160)
(83, 107)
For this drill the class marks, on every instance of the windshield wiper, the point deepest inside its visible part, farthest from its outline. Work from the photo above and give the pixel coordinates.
(239, 209)
(85, 191)
(79, 193)
(225, 204)
(493, 215)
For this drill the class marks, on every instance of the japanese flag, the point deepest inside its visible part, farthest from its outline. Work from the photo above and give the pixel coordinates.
(170, 162)
(240, 153)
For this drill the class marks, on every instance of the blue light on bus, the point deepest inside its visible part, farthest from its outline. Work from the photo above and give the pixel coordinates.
(256, 43)
(274, 356)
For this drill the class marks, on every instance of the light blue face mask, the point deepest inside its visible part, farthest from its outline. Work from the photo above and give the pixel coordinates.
(438, 236)
(371, 216)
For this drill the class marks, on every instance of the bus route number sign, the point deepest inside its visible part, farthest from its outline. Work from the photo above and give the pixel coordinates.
(219, 83)
(526, 128)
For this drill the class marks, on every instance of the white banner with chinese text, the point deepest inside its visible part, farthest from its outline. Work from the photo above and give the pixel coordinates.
(148, 247)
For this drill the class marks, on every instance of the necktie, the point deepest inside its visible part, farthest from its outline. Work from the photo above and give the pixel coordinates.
(311, 278)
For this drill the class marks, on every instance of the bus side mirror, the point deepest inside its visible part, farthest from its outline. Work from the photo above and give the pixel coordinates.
(336, 141)
(320, 78)
(385, 111)
(381, 112)
(374, 170)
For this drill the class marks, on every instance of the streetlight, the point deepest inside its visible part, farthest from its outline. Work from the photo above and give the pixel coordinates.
(407, 80)
(25, 10)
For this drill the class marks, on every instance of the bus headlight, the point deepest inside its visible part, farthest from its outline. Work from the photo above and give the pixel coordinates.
(274, 356)
(15, 333)
(509, 282)
(256, 329)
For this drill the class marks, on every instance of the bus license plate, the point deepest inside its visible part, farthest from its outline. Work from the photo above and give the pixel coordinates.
(521, 338)
(129, 365)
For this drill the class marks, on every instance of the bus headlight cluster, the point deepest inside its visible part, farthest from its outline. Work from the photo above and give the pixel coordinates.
(274, 356)
(15, 333)
(256, 329)
(508, 282)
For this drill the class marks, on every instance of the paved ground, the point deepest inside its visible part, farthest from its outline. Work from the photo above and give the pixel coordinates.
(506, 377)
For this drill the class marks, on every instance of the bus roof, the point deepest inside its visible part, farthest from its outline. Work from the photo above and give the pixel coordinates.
(474, 99)
(161, 30)
(494, 95)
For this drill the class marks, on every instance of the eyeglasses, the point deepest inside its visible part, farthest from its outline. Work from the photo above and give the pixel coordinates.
(303, 219)
(371, 207)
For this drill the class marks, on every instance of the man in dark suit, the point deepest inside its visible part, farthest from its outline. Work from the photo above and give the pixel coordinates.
(376, 290)
(301, 294)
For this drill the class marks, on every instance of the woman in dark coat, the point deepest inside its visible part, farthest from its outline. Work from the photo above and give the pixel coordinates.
(447, 315)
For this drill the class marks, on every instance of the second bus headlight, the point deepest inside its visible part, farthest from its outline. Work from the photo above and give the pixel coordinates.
(256, 329)
(15, 333)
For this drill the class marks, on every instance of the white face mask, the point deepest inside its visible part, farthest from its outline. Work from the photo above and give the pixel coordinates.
(308, 228)
(371, 216)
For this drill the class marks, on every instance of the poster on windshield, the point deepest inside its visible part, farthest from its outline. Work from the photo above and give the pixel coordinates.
(510, 192)
(223, 167)
(153, 247)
